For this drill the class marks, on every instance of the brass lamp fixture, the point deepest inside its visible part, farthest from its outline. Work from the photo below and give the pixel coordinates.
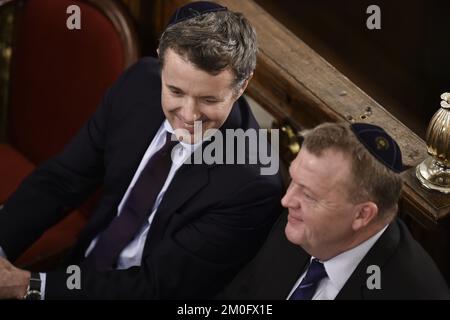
(434, 171)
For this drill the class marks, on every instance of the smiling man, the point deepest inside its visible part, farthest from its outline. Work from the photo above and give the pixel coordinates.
(340, 238)
(192, 96)
(163, 228)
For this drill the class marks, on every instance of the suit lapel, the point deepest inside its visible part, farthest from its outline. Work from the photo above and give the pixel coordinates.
(124, 163)
(280, 264)
(356, 286)
(297, 263)
(188, 180)
(132, 151)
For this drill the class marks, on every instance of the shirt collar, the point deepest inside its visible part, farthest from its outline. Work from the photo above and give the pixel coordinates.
(188, 146)
(340, 268)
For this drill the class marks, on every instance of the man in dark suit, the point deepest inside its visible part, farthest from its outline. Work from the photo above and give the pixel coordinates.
(164, 227)
(340, 238)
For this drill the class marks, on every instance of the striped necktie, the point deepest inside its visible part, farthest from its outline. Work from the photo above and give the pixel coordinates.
(308, 286)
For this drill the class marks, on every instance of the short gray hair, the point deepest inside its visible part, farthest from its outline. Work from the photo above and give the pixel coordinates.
(214, 42)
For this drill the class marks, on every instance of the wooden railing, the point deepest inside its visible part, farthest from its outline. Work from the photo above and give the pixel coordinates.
(294, 83)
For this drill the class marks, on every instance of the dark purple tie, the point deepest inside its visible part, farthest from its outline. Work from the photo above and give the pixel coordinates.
(135, 211)
(308, 285)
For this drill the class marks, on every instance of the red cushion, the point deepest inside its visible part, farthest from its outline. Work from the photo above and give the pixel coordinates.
(54, 241)
(58, 76)
(14, 167)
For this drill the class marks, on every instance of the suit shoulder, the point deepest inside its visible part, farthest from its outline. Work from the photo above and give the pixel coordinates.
(144, 67)
(414, 271)
(141, 80)
(234, 177)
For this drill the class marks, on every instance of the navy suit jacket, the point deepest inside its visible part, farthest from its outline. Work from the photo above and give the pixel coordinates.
(211, 221)
(407, 271)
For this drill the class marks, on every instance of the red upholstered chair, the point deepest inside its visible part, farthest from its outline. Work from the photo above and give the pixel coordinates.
(57, 78)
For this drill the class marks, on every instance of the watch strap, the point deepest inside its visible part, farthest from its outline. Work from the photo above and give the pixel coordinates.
(34, 287)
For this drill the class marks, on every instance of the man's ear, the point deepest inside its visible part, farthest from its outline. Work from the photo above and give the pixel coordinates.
(157, 52)
(244, 86)
(365, 213)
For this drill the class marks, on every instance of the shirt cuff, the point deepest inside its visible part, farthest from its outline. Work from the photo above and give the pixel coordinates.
(43, 280)
(3, 254)
(42, 275)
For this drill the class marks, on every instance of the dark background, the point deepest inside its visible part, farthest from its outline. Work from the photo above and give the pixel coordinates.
(405, 65)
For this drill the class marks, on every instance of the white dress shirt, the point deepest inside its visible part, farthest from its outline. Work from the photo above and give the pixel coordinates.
(339, 269)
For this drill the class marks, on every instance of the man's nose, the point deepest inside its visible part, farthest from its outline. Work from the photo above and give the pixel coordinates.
(189, 111)
(288, 200)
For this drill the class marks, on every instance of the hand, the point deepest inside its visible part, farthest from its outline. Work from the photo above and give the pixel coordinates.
(13, 281)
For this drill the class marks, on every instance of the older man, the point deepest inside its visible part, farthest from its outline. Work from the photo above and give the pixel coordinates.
(342, 239)
(164, 227)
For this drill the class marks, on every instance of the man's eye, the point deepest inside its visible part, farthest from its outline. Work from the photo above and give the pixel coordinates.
(176, 92)
(210, 101)
(308, 197)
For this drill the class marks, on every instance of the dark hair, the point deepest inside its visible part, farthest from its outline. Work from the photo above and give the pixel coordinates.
(214, 42)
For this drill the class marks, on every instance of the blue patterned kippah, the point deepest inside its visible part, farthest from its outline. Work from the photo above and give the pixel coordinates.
(381, 145)
(194, 9)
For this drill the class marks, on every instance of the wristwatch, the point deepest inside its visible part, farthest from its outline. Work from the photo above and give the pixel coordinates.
(34, 287)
